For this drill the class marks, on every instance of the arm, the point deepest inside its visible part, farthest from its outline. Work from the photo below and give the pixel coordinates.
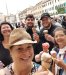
(60, 63)
(38, 57)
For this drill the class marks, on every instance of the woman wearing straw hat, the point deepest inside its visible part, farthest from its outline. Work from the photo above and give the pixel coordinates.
(21, 51)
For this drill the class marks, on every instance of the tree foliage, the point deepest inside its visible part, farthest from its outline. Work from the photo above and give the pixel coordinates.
(60, 10)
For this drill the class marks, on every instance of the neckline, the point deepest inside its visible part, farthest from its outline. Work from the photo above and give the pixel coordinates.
(12, 72)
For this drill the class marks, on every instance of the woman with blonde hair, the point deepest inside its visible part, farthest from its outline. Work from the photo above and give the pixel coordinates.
(21, 51)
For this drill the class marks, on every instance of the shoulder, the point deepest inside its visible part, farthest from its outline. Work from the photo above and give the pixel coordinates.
(2, 72)
(54, 26)
(6, 70)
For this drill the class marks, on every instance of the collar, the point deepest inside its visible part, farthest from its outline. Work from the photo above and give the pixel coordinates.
(62, 51)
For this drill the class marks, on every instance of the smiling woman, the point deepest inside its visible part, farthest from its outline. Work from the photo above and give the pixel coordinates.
(60, 48)
(5, 30)
(21, 51)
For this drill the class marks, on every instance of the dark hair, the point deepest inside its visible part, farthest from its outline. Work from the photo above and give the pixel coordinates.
(59, 29)
(3, 23)
(30, 16)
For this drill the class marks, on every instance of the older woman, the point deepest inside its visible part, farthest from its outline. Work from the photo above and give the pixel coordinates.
(5, 30)
(60, 39)
(21, 51)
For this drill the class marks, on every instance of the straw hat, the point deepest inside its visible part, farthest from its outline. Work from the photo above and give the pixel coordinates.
(19, 36)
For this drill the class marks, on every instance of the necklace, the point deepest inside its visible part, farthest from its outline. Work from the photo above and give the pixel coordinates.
(12, 72)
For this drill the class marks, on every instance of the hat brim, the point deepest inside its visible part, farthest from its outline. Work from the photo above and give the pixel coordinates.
(22, 42)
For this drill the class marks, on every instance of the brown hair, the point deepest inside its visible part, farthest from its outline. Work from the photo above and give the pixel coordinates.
(30, 16)
(58, 29)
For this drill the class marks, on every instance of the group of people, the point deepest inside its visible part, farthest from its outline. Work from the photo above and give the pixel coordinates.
(19, 46)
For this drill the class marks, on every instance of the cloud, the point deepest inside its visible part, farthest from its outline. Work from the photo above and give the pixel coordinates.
(15, 5)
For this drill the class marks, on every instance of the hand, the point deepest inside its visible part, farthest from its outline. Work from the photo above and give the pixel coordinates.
(53, 53)
(38, 58)
(41, 72)
(36, 37)
(49, 38)
(60, 63)
(34, 29)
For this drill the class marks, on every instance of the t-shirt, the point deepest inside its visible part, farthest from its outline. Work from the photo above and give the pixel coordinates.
(5, 55)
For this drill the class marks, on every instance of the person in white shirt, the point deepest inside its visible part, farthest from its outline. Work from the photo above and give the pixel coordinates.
(60, 61)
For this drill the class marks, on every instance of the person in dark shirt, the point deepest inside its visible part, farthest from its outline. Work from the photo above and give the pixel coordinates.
(49, 27)
(29, 20)
(30, 28)
(5, 30)
(21, 51)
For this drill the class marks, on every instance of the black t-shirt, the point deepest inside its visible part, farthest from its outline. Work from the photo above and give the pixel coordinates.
(50, 32)
(4, 55)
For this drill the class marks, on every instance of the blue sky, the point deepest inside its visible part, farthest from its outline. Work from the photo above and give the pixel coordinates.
(15, 6)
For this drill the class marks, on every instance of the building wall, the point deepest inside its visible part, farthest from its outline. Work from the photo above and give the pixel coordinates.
(41, 7)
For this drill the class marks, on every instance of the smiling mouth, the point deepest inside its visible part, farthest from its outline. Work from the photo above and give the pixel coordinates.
(25, 59)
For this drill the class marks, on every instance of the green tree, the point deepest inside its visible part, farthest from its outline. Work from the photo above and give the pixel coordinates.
(60, 10)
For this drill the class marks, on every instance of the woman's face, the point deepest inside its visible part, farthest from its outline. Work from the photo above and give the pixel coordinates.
(22, 54)
(60, 37)
(6, 30)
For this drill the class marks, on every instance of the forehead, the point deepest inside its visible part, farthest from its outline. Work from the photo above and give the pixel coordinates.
(29, 18)
(23, 45)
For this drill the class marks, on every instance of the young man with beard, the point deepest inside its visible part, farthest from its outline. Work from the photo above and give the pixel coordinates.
(31, 29)
(49, 27)
(29, 21)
